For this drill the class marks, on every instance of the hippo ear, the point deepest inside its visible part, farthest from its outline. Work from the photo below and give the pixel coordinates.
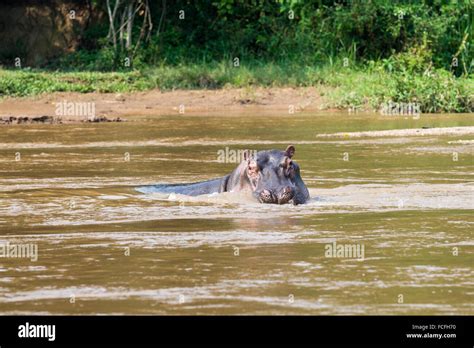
(290, 151)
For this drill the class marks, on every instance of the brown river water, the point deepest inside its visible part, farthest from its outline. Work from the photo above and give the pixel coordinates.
(104, 248)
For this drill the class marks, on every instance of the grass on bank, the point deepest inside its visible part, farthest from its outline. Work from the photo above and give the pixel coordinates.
(365, 86)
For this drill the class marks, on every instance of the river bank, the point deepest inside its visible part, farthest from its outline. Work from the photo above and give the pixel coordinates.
(75, 107)
(209, 87)
(111, 106)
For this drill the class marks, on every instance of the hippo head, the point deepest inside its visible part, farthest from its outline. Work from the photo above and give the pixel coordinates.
(272, 175)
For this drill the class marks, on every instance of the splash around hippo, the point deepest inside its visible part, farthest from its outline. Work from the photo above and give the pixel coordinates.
(271, 176)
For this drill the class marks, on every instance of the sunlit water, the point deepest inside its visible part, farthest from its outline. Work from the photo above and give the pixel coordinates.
(105, 248)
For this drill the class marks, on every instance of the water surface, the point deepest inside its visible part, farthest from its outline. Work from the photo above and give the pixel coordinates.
(105, 248)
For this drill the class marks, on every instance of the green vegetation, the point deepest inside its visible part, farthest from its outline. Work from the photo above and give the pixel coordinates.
(343, 87)
(359, 53)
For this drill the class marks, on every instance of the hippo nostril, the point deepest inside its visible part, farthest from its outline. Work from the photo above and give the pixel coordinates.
(267, 197)
(286, 195)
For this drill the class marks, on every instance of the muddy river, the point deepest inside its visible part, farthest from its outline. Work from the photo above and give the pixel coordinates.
(77, 238)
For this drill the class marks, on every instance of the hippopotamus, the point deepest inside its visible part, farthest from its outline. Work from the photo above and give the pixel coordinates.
(271, 176)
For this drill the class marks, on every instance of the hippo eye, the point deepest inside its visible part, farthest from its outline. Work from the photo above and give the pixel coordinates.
(286, 169)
